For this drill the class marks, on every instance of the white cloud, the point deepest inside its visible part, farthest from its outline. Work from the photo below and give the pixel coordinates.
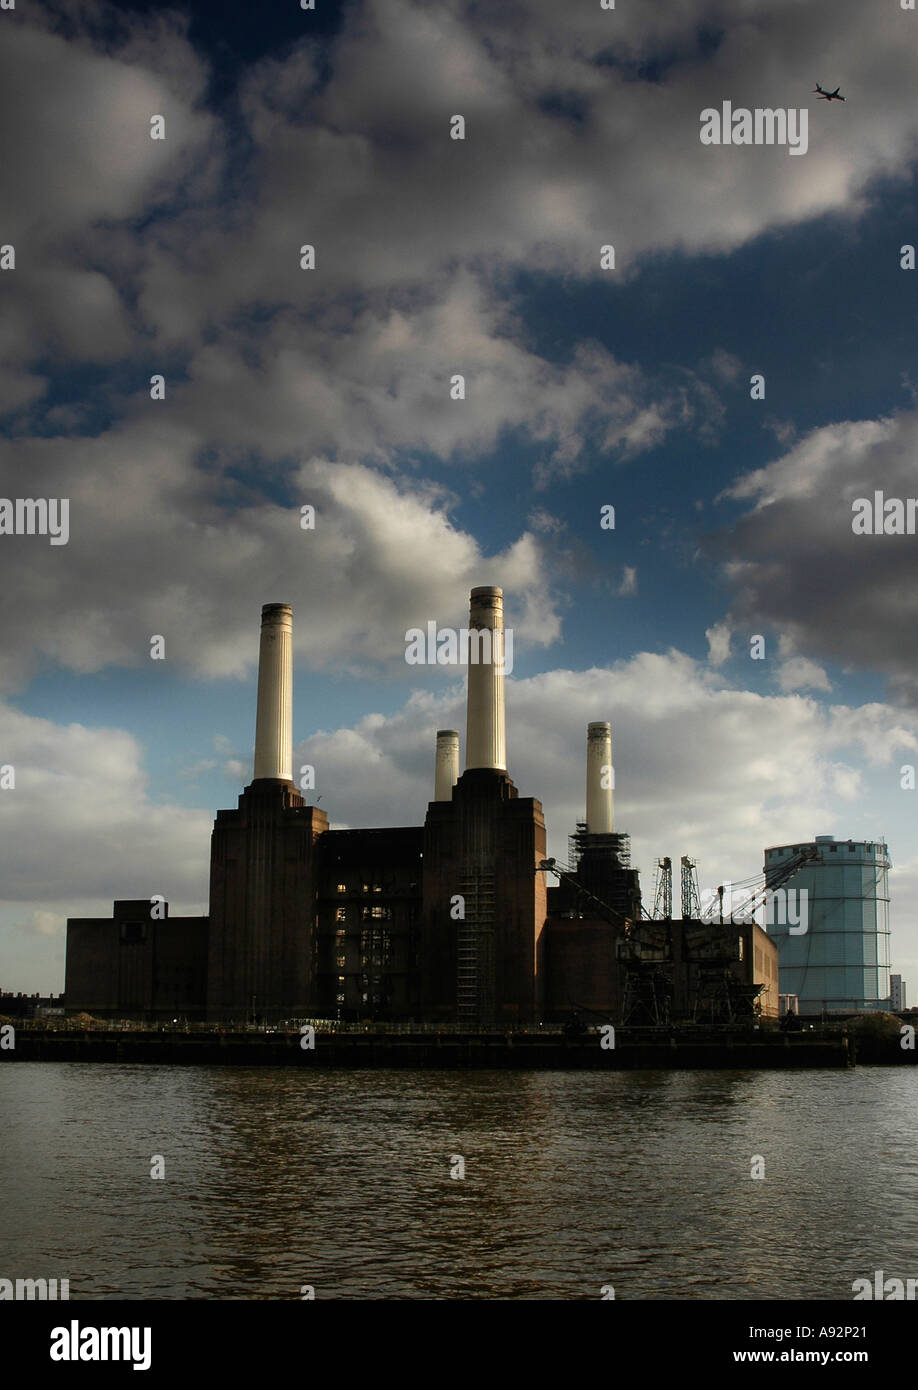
(566, 148)
(155, 549)
(628, 583)
(797, 673)
(794, 563)
(718, 644)
(79, 831)
(701, 768)
(82, 165)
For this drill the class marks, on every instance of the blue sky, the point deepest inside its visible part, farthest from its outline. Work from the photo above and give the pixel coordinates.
(584, 387)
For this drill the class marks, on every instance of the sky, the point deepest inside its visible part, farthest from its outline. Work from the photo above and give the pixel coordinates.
(743, 373)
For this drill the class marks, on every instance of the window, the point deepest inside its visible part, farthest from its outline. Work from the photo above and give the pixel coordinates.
(375, 948)
(340, 962)
(340, 914)
(342, 887)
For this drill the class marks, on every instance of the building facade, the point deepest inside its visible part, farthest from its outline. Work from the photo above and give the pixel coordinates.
(451, 922)
(139, 963)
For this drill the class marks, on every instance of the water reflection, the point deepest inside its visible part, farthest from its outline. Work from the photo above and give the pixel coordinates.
(277, 1179)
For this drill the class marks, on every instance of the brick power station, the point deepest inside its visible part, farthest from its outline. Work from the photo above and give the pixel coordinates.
(449, 922)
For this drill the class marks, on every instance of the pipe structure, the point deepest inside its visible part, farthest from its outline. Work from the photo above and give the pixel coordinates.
(447, 769)
(274, 718)
(486, 738)
(598, 797)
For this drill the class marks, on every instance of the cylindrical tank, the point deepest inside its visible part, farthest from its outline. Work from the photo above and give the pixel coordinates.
(840, 962)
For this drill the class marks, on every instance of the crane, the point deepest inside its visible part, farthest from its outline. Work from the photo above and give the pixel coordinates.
(618, 919)
(759, 896)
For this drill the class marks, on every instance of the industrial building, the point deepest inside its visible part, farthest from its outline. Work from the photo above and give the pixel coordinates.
(840, 964)
(450, 923)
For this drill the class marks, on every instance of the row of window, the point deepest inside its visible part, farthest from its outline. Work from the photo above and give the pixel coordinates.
(375, 948)
(368, 995)
(795, 849)
(376, 913)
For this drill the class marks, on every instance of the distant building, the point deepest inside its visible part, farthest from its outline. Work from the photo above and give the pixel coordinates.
(133, 966)
(897, 994)
(30, 1005)
(840, 964)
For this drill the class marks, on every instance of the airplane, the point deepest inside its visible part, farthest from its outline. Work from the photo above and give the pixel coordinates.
(827, 96)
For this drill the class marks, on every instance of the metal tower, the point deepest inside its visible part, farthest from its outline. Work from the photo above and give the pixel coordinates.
(663, 896)
(691, 898)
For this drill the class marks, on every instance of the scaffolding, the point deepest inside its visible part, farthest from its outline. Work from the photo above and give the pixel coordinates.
(583, 840)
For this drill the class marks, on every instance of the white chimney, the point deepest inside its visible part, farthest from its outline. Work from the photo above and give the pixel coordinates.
(274, 720)
(447, 772)
(486, 739)
(598, 797)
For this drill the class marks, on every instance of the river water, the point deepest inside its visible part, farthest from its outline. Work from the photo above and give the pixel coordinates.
(279, 1179)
